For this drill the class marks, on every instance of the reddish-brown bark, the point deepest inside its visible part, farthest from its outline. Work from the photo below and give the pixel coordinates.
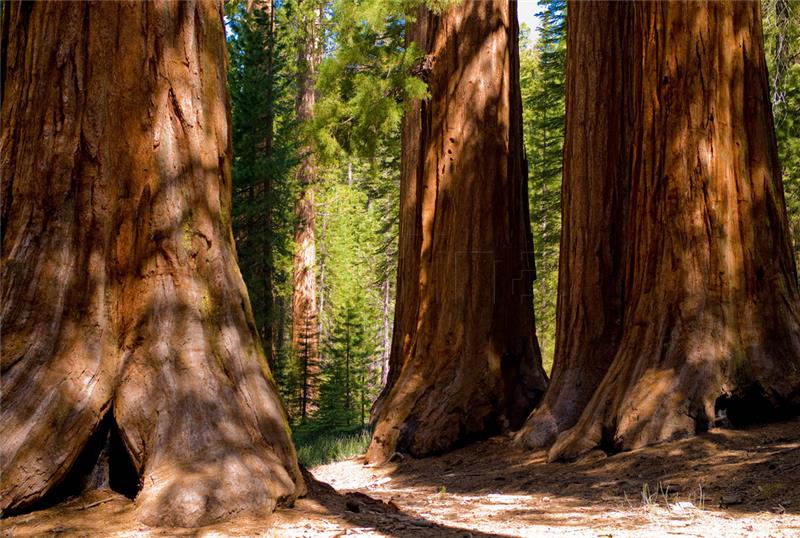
(465, 360)
(305, 333)
(593, 201)
(711, 327)
(122, 298)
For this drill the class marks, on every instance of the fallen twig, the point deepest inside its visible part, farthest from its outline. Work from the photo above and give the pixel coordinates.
(95, 503)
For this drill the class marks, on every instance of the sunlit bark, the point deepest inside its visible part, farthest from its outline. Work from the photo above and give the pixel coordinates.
(710, 326)
(305, 334)
(465, 361)
(593, 200)
(122, 299)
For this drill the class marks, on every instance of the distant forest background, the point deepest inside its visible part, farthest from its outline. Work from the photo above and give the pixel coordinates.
(362, 71)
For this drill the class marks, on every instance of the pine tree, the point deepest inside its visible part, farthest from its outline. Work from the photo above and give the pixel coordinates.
(261, 84)
(782, 47)
(351, 317)
(347, 383)
(362, 84)
(305, 305)
(542, 84)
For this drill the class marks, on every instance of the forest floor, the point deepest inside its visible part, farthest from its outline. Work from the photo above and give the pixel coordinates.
(723, 483)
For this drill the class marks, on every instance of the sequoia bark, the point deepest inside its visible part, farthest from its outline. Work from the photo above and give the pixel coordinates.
(711, 327)
(593, 200)
(305, 334)
(465, 361)
(122, 297)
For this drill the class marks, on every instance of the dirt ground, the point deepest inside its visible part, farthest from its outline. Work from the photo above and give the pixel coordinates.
(724, 483)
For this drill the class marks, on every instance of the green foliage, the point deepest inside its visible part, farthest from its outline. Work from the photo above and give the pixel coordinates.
(316, 446)
(364, 78)
(782, 46)
(351, 318)
(363, 82)
(542, 86)
(265, 153)
(360, 88)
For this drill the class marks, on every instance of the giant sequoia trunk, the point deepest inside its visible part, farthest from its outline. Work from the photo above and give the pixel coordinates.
(305, 337)
(122, 299)
(465, 360)
(593, 201)
(710, 327)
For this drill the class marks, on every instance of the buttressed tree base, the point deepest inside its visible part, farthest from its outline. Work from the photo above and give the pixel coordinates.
(709, 304)
(465, 361)
(593, 204)
(123, 306)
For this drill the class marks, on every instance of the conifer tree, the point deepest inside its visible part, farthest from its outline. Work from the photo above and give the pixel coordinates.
(542, 85)
(350, 237)
(361, 87)
(782, 48)
(265, 155)
(124, 315)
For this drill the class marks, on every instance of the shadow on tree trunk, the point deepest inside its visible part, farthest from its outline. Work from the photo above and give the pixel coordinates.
(124, 313)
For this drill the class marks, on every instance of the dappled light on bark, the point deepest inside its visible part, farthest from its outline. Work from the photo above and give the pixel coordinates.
(710, 299)
(594, 191)
(465, 361)
(121, 292)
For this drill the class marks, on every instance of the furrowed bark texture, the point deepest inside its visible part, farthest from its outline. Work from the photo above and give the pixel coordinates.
(121, 291)
(710, 329)
(593, 197)
(465, 361)
(305, 337)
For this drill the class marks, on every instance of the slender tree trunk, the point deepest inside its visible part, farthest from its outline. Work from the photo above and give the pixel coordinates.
(783, 11)
(323, 258)
(281, 320)
(267, 258)
(541, 268)
(711, 326)
(386, 349)
(304, 363)
(122, 297)
(347, 389)
(465, 361)
(593, 200)
(305, 338)
(363, 401)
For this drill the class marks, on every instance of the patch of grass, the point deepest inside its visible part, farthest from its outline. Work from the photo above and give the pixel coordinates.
(660, 502)
(651, 498)
(698, 499)
(318, 447)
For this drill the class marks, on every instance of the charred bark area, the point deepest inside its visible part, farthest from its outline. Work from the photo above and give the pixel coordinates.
(593, 198)
(710, 333)
(103, 463)
(465, 360)
(123, 307)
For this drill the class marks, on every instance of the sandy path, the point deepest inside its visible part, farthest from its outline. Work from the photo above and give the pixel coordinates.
(739, 483)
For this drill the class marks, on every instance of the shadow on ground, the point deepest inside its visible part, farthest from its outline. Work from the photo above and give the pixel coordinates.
(745, 479)
(742, 471)
(324, 512)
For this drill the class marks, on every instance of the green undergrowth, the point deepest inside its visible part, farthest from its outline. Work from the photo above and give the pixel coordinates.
(318, 446)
